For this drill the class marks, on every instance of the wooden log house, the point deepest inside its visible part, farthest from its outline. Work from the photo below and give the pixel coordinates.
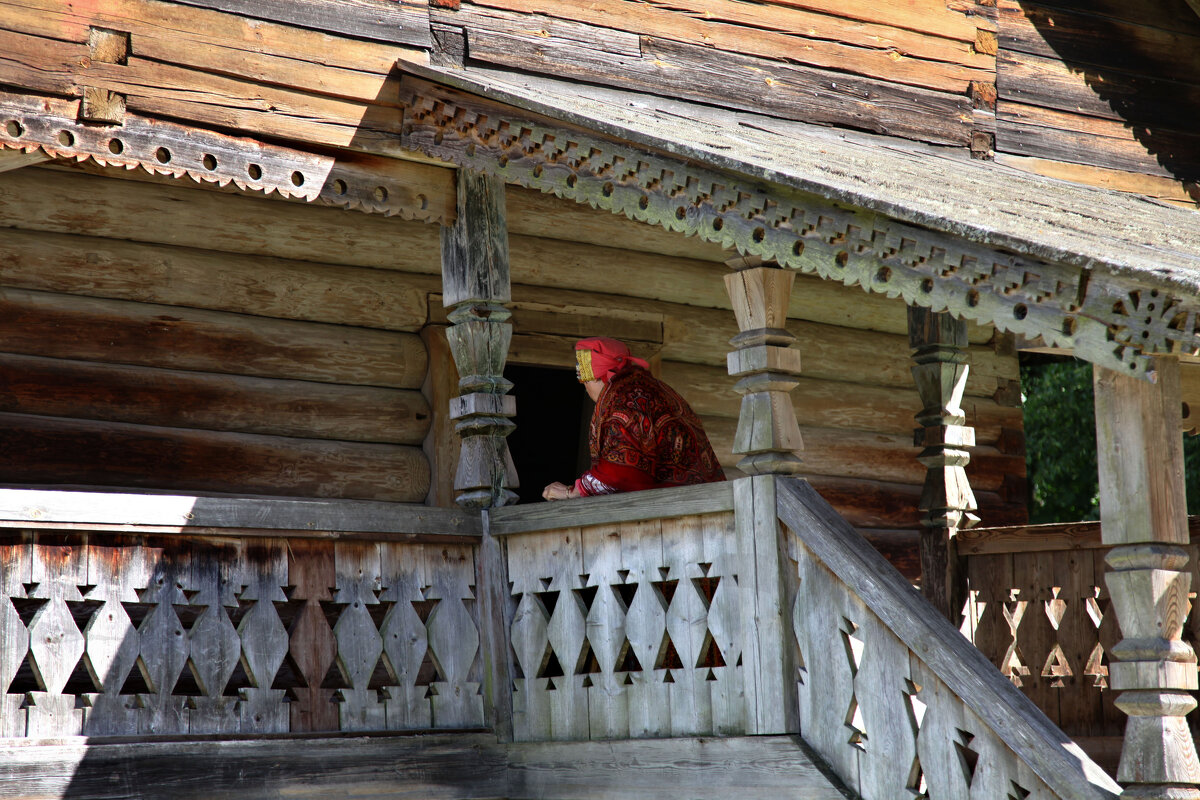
(291, 290)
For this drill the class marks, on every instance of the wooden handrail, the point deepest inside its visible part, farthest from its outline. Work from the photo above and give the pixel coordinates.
(1041, 538)
(683, 501)
(230, 516)
(944, 657)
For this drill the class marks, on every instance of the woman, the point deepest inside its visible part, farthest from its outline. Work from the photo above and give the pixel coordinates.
(643, 434)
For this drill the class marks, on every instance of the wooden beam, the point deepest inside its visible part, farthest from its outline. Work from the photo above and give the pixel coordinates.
(939, 343)
(15, 159)
(1143, 515)
(193, 512)
(610, 509)
(476, 283)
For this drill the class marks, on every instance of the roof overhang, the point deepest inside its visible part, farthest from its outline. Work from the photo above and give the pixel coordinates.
(1113, 277)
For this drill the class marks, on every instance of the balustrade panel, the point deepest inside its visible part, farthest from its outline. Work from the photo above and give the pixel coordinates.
(104, 634)
(627, 630)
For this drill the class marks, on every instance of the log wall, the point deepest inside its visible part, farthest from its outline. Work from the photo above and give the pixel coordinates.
(1103, 93)
(206, 322)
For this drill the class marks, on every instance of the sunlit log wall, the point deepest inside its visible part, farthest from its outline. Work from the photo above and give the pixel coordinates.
(161, 335)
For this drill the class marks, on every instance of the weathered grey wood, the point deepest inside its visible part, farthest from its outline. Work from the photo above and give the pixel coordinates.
(1008, 713)
(15, 574)
(191, 511)
(724, 624)
(453, 636)
(882, 684)
(359, 645)
(690, 697)
(650, 504)
(495, 621)
(397, 23)
(769, 668)
(939, 343)
(476, 283)
(459, 767)
(648, 696)
(1143, 512)
(404, 575)
(56, 644)
(608, 709)
(749, 768)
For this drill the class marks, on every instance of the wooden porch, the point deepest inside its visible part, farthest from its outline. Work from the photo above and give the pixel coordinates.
(215, 644)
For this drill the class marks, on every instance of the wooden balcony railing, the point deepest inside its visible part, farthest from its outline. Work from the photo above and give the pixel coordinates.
(730, 610)
(207, 616)
(1039, 610)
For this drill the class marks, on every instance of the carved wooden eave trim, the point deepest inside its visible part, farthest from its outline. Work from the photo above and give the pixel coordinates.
(1116, 322)
(31, 123)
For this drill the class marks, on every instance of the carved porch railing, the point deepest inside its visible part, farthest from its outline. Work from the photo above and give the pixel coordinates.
(653, 619)
(139, 615)
(738, 609)
(1039, 609)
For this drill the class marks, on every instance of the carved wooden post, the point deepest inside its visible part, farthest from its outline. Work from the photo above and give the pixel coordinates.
(1143, 514)
(767, 433)
(939, 344)
(476, 285)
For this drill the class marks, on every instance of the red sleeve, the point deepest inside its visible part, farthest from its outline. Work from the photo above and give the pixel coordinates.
(605, 475)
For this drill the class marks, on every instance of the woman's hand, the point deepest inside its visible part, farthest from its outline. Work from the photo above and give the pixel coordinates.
(559, 491)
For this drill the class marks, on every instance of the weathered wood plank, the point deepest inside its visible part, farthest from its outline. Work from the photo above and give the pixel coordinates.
(52, 66)
(405, 21)
(436, 767)
(176, 215)
(235, 43)
(940, 646)
(873, 504)
(609, 509)
(754, 768)
(183, 276)
(84, 453)
(818, 40)
(1032, 131)
(179, 511)
(802, 93)
(1161, 188)
(86, 329)
(182, 399)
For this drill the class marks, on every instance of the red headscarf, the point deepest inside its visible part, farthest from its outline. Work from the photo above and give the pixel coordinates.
(599, 357)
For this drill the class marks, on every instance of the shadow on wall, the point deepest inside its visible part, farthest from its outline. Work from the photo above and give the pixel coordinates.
(1142, 64)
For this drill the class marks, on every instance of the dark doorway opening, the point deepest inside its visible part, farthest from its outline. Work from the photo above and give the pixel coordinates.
(550, 441)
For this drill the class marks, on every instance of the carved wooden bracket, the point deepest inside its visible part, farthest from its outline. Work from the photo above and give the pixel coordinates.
(1111, 322)
(57, 128)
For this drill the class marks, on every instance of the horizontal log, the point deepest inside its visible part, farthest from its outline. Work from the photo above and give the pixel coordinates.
(49, 451)
(863, 48)
(46, 200)
(809, 94)
(397, 22)
(249, 515)
(1100, 92)
(836, 404)
(157, 89)
(900, 547)
(1168, 190)
(849, 453)
(1044, 538)
(954, 21)
(183, 276)
(219, 42)
(1045, 133)
(117, 331)
(874, 504)
(160, 214)
(180, 399)
(1161, 41)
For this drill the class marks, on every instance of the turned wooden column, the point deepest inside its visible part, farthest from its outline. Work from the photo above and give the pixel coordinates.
(1143, 515)
(939, 344)
(475, 285)
(767, 434)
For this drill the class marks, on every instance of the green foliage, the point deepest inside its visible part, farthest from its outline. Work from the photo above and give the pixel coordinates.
(1060, 443)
